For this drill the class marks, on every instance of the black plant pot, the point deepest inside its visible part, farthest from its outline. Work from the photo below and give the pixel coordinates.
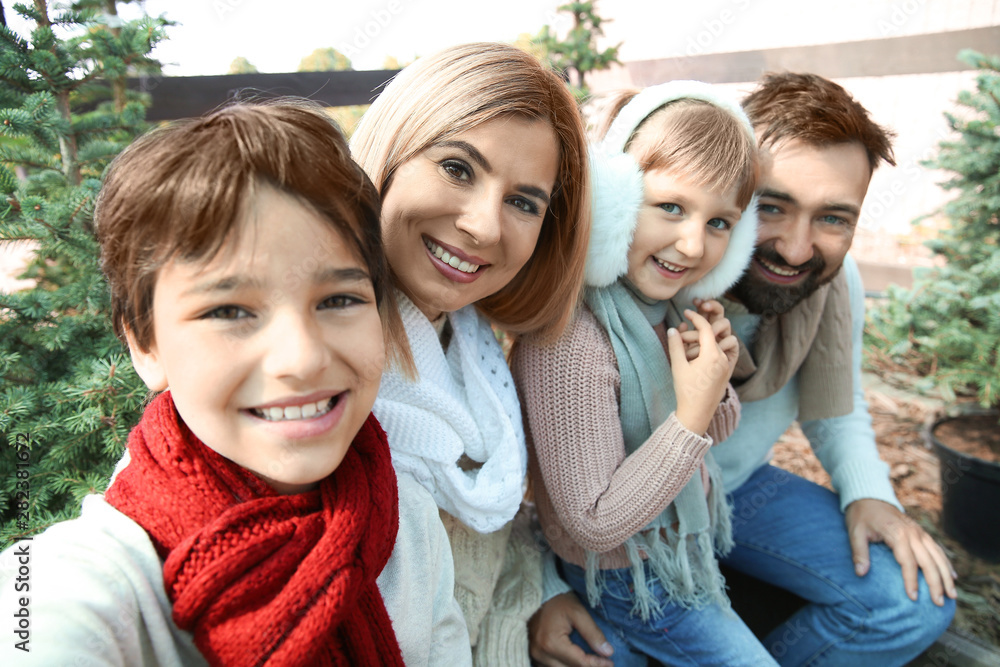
(970, 498)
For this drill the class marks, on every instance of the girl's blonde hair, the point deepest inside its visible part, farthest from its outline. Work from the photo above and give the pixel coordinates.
(463, 87)
(709, 144)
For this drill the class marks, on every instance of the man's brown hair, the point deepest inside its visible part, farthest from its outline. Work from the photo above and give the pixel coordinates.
(182, 191)
(817, 111)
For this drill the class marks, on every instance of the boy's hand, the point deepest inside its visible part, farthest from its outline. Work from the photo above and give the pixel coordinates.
(700, 383)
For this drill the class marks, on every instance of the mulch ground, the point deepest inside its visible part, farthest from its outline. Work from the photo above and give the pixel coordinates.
(899, 420)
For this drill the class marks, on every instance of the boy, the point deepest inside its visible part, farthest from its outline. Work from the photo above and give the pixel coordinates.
(256, 504)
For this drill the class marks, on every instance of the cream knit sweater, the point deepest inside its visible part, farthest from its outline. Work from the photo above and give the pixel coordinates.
(498, 585)
(589, 495)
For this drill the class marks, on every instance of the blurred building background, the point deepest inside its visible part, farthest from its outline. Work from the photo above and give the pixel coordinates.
(896, 56)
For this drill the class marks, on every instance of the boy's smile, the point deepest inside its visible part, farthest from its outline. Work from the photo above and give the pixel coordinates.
(295, 409)
(682, 233)
(273, 350)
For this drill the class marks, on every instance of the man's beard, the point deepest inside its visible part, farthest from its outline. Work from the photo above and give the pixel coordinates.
(761, 296)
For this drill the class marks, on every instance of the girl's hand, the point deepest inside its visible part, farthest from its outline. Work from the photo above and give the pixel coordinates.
(700, 383)
(712, 311)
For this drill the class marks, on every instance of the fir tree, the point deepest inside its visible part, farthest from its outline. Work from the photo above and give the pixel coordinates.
(577, 53)
(66, 383)
(947, 327)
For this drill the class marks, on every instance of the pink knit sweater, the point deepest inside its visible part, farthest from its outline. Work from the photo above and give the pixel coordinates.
(589, 494)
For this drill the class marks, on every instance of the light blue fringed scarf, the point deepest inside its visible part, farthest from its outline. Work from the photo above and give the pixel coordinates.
(685, 561)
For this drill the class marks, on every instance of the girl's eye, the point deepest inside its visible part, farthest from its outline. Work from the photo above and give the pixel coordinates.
(719, 223)
(672, 209)
(227, 312)
(525, 205)
(457, 169)
(340, 301)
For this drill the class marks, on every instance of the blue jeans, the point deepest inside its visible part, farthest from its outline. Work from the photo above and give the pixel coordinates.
(790, 533)
(675, 636)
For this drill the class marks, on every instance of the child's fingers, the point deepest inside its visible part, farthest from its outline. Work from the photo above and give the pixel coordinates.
(692, 344)
(706, 336)
(722, 328)
(729, 343)
(675, 348)
(730, 346)
(712, 310)
(690, 337)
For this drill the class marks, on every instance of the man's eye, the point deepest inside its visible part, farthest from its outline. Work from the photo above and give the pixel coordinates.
(768, 208)
(833, 220)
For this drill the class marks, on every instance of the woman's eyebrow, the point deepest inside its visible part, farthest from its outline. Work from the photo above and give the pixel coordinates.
(532, 191)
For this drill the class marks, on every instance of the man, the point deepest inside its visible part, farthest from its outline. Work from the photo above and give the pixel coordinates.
(878, 588)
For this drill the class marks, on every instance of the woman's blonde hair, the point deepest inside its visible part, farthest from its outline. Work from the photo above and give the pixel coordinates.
(709, 144)
(463, 87)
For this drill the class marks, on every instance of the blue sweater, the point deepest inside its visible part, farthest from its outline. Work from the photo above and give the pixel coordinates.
(844, 445)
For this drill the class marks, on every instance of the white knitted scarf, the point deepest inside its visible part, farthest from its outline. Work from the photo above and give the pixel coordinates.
(463, 402)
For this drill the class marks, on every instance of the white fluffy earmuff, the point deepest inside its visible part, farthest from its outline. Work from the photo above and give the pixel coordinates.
(617, 186)
(617, 194)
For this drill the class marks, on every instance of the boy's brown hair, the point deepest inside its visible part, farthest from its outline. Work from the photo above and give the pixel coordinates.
(181, 192)
(816, 111)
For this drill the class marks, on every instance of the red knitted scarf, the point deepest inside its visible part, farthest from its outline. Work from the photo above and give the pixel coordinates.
(257, 577)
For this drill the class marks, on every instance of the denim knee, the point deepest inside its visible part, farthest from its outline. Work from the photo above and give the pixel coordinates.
(919, 623)
(895, 618)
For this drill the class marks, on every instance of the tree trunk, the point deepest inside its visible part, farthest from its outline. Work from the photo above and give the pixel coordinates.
(67, 143)
(118, 84)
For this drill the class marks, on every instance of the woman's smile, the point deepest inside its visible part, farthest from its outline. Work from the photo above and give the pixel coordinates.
(453, 263)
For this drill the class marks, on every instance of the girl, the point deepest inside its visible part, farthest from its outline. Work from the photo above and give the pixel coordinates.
(626, 490)
(256, 503)
(480, 156)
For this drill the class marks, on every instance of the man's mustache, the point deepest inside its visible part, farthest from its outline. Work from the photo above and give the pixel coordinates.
(772, 256)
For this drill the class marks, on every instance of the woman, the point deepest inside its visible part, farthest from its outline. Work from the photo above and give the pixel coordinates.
(479, 154)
